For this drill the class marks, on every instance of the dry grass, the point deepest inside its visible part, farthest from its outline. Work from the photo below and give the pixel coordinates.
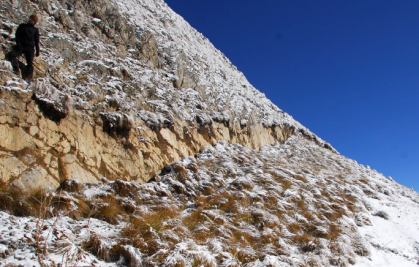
(193, 167)
(108, 209)
(181, 172)
(335, 215)
(334, 232)
(143, 231)
(301, 204)
(305, 242)
(227, 202)
(203, 202)
(194, 218)
(243, 217)
(13, 201)
(242, 256)
(96, 245)
(286, 184)
(301, 178)
(294, 228)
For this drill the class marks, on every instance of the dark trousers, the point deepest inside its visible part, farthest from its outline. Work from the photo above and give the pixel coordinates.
(29, 54)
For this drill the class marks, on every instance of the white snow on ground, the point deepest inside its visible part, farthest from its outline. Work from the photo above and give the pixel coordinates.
(394, 242)
(256, 194)
(61, 235)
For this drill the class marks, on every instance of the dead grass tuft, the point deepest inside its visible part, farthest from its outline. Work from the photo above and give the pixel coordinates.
(334, 232)
(286, 184)
(193, 167)
(181, 172)
(98, 247)
(194, 218)
(226, 202)
(294, 228)
(333, 216)
(203, 202)
(301, 204)
(108, 210)
(243, 217)
(305, 242)
(142, 235)
(363, 181)
(242, 256)
(301, 178)
(12, 201)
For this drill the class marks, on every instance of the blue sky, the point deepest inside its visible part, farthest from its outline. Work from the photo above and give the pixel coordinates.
(347, 70)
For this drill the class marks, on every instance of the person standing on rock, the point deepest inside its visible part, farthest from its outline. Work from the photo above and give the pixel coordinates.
(27, 43)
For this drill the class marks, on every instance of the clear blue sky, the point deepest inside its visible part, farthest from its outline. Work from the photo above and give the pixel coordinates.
(347, 70)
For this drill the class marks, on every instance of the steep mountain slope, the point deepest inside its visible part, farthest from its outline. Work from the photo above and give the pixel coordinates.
(128, 91)
(123, 91)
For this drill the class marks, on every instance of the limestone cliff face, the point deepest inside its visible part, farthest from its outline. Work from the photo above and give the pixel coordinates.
(39, 151)
(121, 89)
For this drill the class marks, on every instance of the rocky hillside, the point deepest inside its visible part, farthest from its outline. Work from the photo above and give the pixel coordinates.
(291, 204)
(126, 92)
(122, 88)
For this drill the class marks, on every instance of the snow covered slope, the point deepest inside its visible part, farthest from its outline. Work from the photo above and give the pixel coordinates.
(128, 91)
(294, 204)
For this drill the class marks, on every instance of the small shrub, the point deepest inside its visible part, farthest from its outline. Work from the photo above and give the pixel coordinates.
(142, 236)
(313, 261)
(117, 124)
(225, 202)
(193, 167)
(130, 256)
(202, 234)
(339, 261)
(124, 189)
(352, 207)
(360, 246)
(83, 210)
(307, 214)
(382, 214)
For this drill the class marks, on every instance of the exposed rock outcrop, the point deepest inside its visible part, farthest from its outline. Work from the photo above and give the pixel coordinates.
(88, 147)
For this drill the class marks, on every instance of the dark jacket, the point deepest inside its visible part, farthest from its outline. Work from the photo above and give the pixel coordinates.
(27, 36)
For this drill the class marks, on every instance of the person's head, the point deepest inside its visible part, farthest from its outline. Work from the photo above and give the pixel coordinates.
(33, 19)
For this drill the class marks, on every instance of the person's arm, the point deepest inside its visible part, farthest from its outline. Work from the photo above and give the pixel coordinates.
(17, 37)
(37, 42)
